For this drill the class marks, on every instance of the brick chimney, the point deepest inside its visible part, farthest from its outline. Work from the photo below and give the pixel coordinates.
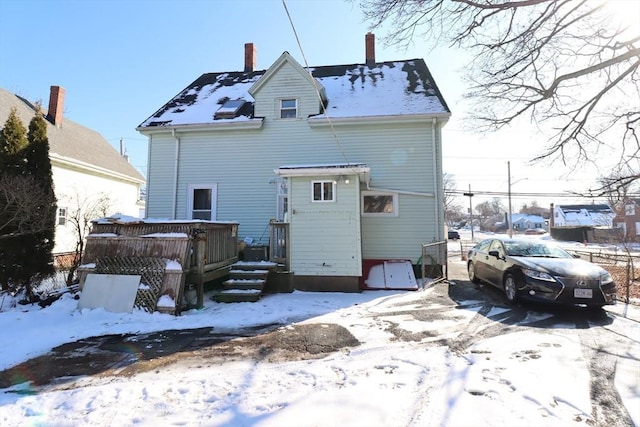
(56, 105)
(250, 57)
(370, 46)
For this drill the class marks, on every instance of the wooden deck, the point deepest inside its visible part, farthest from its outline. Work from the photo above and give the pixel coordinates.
(204, 249)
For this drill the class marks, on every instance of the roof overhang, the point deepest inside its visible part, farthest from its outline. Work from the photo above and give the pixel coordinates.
(320, 121)
(334, 169)
(255, 123)
(69, 163)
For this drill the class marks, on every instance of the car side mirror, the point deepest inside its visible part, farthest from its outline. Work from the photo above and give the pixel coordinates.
(495, 254)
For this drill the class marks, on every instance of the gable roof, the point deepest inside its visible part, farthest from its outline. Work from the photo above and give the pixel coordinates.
(393, 88)
(72, 143)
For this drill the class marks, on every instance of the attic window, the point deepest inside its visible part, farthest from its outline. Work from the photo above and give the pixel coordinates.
(288, 108)
(229, 109)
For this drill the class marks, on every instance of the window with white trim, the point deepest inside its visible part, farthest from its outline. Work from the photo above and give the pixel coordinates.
(323, 191)
(379, 204)
(201, 201)
(61, 216)
(288, 108)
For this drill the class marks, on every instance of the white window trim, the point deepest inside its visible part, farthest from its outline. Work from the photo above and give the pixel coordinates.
(333, 191)
(214, 198)
(379, 214)
(280, 108)
(63, 217)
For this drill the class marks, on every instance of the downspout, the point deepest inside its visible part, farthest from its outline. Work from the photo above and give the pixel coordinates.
(174, 202)
(436, 181)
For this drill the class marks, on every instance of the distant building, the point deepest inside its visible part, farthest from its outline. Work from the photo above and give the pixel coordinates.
(85, 167)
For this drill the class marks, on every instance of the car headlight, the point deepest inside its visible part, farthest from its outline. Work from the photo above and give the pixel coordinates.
(606, 278)
(540, 275)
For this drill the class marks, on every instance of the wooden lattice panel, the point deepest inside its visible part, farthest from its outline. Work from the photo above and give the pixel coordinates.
(150, 269)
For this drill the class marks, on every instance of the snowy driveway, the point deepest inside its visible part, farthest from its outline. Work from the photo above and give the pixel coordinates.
(451, 355)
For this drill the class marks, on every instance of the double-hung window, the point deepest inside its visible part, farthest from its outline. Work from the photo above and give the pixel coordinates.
(288, 108)
(202, 202)
(323, 191)
(62, 216)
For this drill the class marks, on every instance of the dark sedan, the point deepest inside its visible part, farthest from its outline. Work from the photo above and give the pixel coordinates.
(535, 270)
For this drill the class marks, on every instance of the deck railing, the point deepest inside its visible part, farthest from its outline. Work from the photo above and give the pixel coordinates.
(279, 243)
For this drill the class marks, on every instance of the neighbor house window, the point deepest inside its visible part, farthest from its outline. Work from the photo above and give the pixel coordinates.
(323, 191)
(201, 202)
(288, 108)
(630, 209)
(379, 204)
(62, 216)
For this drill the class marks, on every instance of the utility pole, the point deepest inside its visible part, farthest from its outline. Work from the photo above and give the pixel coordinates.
(470, 195)
(509, 222)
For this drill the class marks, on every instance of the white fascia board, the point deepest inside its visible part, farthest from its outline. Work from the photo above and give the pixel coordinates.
(69, 163)
(218, 126)
(319, 121)
(322, 171)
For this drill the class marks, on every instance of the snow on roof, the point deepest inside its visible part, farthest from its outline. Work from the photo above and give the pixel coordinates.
(357, 90)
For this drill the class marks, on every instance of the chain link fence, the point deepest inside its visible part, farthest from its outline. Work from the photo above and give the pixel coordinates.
(623, 266)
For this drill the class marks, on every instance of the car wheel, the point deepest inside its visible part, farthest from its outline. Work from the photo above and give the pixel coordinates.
(472, 273)
(510, 288)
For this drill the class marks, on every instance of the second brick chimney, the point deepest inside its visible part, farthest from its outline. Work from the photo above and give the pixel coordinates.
(250, 57)
(56, 105)
(370, 46)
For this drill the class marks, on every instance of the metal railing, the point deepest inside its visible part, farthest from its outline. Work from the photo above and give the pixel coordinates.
(433, 263)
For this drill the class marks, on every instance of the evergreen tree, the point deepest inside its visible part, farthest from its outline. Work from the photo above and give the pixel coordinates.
(38, 263)
(13, 143)
(13, 140)
(26, 252)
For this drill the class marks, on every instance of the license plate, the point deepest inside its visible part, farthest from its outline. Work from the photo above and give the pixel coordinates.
(583, 293)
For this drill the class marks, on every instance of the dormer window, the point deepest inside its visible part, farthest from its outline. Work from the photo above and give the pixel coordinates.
(288, 108)
(230, 109)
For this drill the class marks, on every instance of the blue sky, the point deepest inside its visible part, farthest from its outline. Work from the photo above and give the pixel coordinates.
(120, 61)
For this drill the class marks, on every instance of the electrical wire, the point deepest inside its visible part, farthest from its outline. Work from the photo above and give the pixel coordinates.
(315, 83)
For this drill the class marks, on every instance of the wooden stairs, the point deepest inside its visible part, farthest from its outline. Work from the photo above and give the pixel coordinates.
(247, 281)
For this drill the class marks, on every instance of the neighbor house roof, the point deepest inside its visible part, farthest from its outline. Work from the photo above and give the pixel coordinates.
(71, 143)
(394, 88)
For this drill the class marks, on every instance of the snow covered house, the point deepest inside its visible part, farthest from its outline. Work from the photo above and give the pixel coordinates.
(596, 215)
(86, 169)
(629, 219)
(523, 222)
(346, 158)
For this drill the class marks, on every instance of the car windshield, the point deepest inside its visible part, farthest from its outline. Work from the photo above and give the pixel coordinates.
(535, 249)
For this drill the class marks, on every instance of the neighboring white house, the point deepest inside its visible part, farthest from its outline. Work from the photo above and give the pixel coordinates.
(527, 222)
(600, 215)
(86, 168)
(350, 156)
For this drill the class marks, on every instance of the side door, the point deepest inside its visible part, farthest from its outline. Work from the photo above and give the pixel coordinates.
(495, 265)
(481, 259)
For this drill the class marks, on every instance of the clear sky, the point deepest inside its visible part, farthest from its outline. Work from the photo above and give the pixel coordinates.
(121, 60)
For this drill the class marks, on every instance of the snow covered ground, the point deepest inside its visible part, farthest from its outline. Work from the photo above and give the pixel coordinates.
(526, 378)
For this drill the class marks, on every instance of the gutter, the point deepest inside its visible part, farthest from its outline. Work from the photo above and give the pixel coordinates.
(410, 193)
(255, 123)
(411, 118)
(174, 201)
(436, 182)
